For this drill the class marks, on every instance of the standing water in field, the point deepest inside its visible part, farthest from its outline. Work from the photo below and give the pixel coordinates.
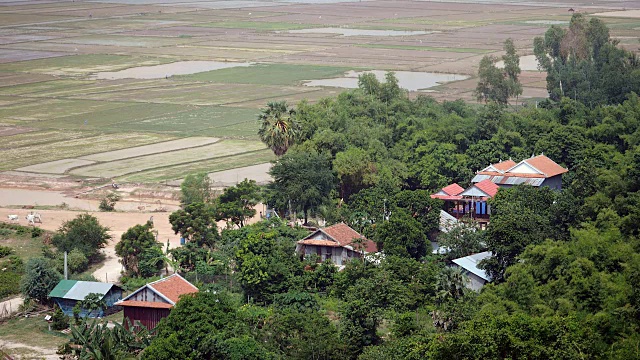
(165, 70)
(410, 80)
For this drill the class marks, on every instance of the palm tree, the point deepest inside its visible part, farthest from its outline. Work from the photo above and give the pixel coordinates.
(278, 129)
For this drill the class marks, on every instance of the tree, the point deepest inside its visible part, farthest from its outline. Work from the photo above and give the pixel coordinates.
(77, 262)
(108, 203)
(279, 129)
(499, 85)
(83, 233)
(512, 69)
(463, 239)
(39, 279)
(133, 246)
(585, 64)
(303, 179)
(520, 217)
(236, 203)
(196, 222)
(491, 85)
(355, 171)
(402, 236)
(196, 188)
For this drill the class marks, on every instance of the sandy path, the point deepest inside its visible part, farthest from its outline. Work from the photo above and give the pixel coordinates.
(10, 306)
(118, 223)
(36, 352)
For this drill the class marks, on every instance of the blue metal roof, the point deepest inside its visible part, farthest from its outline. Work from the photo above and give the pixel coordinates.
(81, 289)
(470, 263)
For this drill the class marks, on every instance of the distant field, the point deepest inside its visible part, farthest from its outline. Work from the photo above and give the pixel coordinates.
(211, 165)
(151, 149)
(51, 51)
(426, 48)
(256, 25)
(127, 166)
(55, 167)
(82, 64)
(58, 150)
(269, 74)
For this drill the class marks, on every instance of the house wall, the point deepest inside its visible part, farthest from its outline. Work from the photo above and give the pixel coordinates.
(475, 282)
(555, 183)
(147, 295)
(339, 255)
(148, 317)
(110, 298)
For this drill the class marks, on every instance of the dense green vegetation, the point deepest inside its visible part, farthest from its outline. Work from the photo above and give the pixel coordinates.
(565, 264)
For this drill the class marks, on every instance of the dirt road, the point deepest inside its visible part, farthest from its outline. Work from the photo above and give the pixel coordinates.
(118, 223)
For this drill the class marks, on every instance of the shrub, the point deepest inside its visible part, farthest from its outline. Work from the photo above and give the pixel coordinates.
(39, 279)
(5, 251)
(108, 203)
(59, 321)
(84, 277)
(21, 230)
(36, 232)
(5, 232)
(9, 283)
(77, 261)
(14, 263)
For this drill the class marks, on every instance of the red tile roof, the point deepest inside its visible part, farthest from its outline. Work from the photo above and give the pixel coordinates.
(147, 304)
(545, 165)
(488, 187)
(453, 189)
(505, 165)
(318, 242)
(344, 236)
(173, 286)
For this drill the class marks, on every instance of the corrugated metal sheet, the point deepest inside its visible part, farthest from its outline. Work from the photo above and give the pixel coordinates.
(508, 180)
(148, 317)
(470, 263)
(83, 288)
(62, 288)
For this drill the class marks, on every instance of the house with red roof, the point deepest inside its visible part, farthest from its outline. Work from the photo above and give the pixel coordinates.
(338, 243)
(472, 202)
(153, 302)
(535, 171)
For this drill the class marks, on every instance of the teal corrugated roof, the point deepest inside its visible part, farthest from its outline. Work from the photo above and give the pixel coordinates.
(62, 288)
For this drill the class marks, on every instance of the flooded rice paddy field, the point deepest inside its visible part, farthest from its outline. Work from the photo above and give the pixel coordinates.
(143, 89)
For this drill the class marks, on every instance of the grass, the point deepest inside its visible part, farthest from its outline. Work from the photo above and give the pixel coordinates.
(152, 149)
(83, 64)
(256, 25)
(45, 109)
(41, 137)
(36, 154)
(131, 41)
(33, 332)
(268, 74)
(132, 165)
(200, 94)
(23, 245)
(211, 165)
(203, 121)
(106, 118)
(34, 88)
(425, 48)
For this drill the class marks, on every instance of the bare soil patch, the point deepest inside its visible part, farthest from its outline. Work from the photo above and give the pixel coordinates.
(13, 130)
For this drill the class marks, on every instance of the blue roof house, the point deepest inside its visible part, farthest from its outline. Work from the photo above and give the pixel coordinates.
(69, 292)
(477, 277)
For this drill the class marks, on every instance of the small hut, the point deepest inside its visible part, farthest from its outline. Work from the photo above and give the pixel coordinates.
(69, 292)
(152, 302)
